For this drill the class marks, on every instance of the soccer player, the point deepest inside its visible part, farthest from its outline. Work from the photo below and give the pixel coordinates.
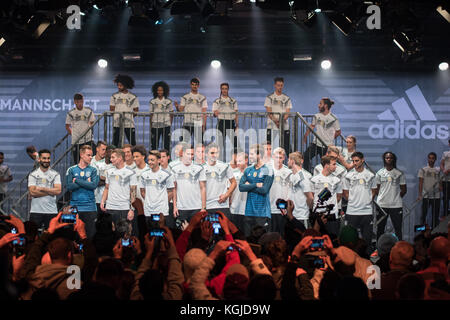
(177, 154)
(124, 101)
(82, 180)
(278, 102)
(327, 128)
(164, 159)
(139, 155)
(340, 171)
(391, 188)
(238, 199)
(225, 109)
(190, 186)
(5, 177)
(359, 188)
(200, 155)
(129, 161)
(345, 158)
(44, 184)
(430, 187)
(194, 106)
(267, 156)
(326, 179)
(279, 189)
(445, 169)
(120, 189)
(300, 189)
(218, 175)
(102, 162)
(162, 120)
(156, 188)
(256, 182)
(78, 120)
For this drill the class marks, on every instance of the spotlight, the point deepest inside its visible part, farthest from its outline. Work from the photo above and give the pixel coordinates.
(215, 64)
(443, 66)
(102, 63)
(407, 43)
(131, 56)
(326, 64)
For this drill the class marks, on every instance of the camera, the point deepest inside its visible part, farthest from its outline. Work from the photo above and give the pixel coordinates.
(212, 217)
(157, 232)
(127, 242)
(322, 210)
(419, 228)
(281, 204)
(19, 246)
(317, 243)
(70, 216)
(319, 263)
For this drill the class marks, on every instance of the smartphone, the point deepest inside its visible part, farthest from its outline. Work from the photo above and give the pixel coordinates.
(80, 247)
(281, 204)
(216, 226)
(317, 244)
(69, 218)
(13, 230)
(157, 232)
(19, 246)
(127, 242)
(74, 209)
(319, 263)
(419, 228)
(155, 217)
(212, 217)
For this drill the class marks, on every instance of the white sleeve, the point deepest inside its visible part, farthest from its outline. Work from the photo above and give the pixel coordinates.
(112, 101)
(345, 184)
(339, 187)
(230, 173)
(420, 174)
(267, 102)
(402, 179)
(32, 181)
(69, 118)
(106, 177)
(215, 106)
(235, 105)
(170, 182)
(307, 186)
(140, 183)
(337, 125)
(92, 117)
(205, 104)
(182, 101)
(133, 180)
(135, 103)
(202, 176)
(57, 179)
(377, 179)
(289, 105)
(373, 185)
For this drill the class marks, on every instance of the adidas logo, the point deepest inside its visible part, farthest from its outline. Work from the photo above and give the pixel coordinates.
(409, 125)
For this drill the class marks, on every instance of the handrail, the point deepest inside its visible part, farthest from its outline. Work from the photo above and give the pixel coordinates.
(310, 129)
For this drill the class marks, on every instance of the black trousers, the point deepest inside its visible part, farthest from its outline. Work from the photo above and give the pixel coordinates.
(286, 144)
(89, 219)
(238, 221)
(42, 220)
(250, 222)
(363, 223)
(130, 135)
(76, 150)
(193, 140)
(277, 223)
(156, 134)
(396, 215)
(187, 214)
(446, 199)
(435, 205)
(223, 126)
(311, 152)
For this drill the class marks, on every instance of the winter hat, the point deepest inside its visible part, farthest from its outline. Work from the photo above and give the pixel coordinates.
(191, 261)
(347, 235)
(385, 243)
(237, 268)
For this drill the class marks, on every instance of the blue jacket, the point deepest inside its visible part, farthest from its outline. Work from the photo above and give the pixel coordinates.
(82, 190)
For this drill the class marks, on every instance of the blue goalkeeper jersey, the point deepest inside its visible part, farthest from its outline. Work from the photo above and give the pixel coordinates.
(258, 200)
(82, 189)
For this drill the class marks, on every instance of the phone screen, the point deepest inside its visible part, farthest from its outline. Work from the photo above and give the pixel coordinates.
(213, 217)
(216, 226)
(157, 233)
(420, 228)
(317, 243)
(68, 218)
(155, 217)
(126, 242)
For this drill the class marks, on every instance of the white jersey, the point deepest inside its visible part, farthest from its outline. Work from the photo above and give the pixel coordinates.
(138, 173)
(431, 181)
(120, 182)
(299, 184)
(101, 167)
(174, 163)
(389, 194)
(188, 185)
(446, 158)
(279, 188)
(346, 154)
(124, 102)
(338, 173)
(217, 177)
(359, 186)
(326, 126)
(238, 199)
(132, 166)
(193, 103)
(165, 106)
(227, 108)
(79, 121)
(47, 179)
(5, 173)
(156, 196)
(279, 103)
(333, 184)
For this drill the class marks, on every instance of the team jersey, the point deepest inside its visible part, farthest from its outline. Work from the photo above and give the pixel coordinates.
(217, 178)
(138, 173)
(101, 167)
(446, 158)
(258, 200)
(45, 179)
(82, 189)
(338, 173)
(326, 126)
(431, 180)
(359, 186)
(320, 182)
(156, 196)
(238, 199)
(346, 154)
(299, 184)
(5, 173)
(280, 187)
(119, 182)
(279, 103)
(389, 193)
(193, 103)
(132, 166)
(188, 180)
(165, 106)
(79, 121)
(124, 102)
(174, 163)
(227, 108)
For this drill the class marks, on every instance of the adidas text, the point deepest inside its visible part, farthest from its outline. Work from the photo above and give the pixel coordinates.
(409, 130)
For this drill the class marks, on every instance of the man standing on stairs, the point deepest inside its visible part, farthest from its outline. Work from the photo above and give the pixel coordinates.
(5, 177)
(78, 120)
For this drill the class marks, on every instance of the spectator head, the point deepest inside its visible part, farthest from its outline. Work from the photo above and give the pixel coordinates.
(256, 233)
(61, 251)
(328, 285)
(93, 291)
(45, 294)
(439, 250)
(352, 288)
(124, 228)
(109, 272)
(236, 282)
(385, 243)
(151, 285)
(401, 257)
(411, 286)
(191, 261)
(277, 252)
(348, 237)
(262, 287)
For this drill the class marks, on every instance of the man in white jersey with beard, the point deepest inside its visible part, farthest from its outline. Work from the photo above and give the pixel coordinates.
(218, 176)
(156, 188)
(239, 199)
(279, 189)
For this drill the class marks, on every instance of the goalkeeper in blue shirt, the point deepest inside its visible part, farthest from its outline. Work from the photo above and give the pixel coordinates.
(82, 180)
(256, 181)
